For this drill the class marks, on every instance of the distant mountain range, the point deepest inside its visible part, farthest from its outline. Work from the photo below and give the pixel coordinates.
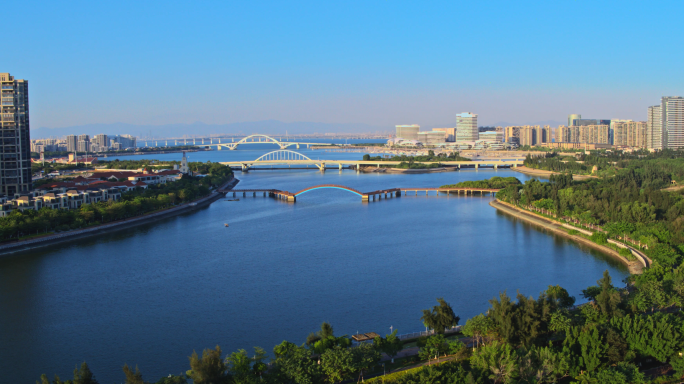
(199, 129)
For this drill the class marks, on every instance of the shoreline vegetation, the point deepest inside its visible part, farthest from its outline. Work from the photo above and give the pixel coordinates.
(32, 228)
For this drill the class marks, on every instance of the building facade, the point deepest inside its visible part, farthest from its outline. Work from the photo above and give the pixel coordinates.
(466, 127)
(631, 134)
(15, 165)
(431, 137)
(408, 132)
(654, 134)
(672, 121)
(449, 133)
(572, 118)
(101, 141)
(72, 143)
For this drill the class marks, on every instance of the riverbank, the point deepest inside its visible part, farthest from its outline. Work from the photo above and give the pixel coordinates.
(546, 174)
(635, 267)
(46, 240)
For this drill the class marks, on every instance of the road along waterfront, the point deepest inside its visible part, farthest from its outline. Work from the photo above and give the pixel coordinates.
(152, 294)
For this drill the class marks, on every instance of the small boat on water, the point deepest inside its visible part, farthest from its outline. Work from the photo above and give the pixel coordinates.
(231, 200)
(225, 225)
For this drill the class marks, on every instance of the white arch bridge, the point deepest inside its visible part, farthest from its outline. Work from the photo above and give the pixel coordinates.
(292, 158)
(263, 139)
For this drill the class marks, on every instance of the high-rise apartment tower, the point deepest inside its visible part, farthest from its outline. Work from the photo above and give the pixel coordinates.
(15, 164)
(654, 130)
(672, 112)
(408, 132)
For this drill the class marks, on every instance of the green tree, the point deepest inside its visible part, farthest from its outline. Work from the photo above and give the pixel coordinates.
(365, 356)
(498, 360)
(209, 369)
(83, 375)
(296, 364)
(390, 345)
(440, 317)
(338, 364)
(133, 377)
(434, 346)
(478, 328)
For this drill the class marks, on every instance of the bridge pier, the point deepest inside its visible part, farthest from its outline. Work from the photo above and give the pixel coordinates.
(233, 194)
(340, 166)
(244, 194)
(254, 194)
(292, 198)
(476, 166)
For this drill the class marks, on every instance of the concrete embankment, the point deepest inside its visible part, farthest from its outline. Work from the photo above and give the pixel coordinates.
(43, 241)
(635, 267)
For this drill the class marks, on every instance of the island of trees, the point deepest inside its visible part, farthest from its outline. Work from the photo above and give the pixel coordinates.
(417, 162)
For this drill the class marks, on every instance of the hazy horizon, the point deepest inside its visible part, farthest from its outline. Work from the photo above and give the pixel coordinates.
(373, 63)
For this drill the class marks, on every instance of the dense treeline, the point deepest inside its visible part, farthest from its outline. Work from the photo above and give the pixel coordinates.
(492, 183)
(630, 203)
(612, 163)
(521, 340)
(132, 203)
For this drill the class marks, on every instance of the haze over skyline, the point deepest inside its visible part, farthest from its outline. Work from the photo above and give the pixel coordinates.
(375, 63)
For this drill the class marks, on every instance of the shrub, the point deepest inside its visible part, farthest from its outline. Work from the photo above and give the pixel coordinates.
(599, 238)
(573, 232)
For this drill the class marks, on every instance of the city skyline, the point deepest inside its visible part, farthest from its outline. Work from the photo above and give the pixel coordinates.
(361, 66)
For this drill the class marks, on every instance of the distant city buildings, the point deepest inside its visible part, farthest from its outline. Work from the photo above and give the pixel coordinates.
(466, 127)
(527, 135)
(15, 164)
(631, 134)
(449, 133)
(584, 134)
(408, 132)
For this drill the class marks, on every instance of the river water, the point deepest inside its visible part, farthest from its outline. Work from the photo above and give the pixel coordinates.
(150, 295)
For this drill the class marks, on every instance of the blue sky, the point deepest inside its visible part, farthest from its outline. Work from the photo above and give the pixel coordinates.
(374, 62)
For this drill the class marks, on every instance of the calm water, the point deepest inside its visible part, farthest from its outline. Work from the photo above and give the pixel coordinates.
(153, 294)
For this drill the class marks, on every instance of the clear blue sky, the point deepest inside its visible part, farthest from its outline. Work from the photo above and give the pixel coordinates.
(375, 62)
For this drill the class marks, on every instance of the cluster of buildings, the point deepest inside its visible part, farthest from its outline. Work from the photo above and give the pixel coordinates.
(663, 129)
(83, 143)
(99, 185)
(466, 135)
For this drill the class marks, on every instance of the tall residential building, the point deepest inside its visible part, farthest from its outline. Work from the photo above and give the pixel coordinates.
(408, 132)
(654, 134)
(631, 134)
(449, 133)
(83, 146)
(672, 121)
(71, 143)
(15, 165)
(594, 134)
(466, 127)
(572, 118)
(101, 141)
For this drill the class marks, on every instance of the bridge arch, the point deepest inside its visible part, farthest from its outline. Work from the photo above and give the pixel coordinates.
(282, 154)
(329, 186)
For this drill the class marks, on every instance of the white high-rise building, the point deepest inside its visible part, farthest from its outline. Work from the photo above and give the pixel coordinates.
(466, 127)
(672, 112)
(654, 130)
